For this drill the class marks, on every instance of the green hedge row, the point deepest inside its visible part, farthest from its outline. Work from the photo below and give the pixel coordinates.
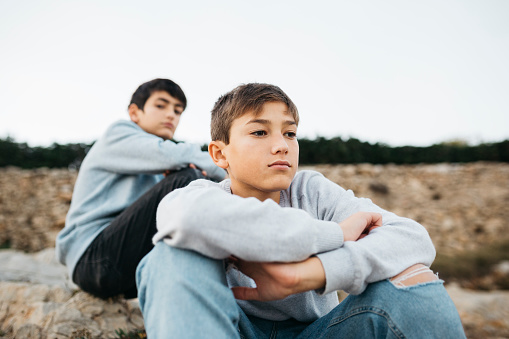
(353, 151)
(54, 156)
(317, 151)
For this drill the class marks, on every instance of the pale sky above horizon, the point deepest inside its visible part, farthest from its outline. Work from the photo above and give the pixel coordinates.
(397, 72)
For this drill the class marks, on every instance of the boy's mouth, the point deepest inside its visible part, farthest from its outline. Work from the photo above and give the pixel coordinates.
(168, 125)
(280, 164)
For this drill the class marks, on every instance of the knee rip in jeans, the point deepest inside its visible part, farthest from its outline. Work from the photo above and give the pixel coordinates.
(414, 275)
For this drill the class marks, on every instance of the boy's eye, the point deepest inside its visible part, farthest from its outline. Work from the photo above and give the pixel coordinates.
(177, 112)
(291, 135)
(160, 106)
(259, 133)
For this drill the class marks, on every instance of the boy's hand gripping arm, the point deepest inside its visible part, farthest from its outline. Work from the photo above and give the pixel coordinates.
(276, 281)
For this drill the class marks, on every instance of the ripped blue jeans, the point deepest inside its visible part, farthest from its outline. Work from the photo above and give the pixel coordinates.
(204, 306)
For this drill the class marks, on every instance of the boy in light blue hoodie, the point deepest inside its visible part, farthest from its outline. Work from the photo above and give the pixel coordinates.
(262, 254)
(121, 181)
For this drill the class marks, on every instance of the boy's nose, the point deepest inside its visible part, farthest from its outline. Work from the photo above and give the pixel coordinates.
(280, 146)
(171, 113)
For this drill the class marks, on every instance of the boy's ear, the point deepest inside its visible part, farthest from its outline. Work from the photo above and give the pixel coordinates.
(216, 149)
(134, 113)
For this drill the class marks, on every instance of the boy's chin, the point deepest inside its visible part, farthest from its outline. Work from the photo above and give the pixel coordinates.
(280, 186)
(166, 136)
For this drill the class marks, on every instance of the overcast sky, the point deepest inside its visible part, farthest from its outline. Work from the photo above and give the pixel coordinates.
(398, 72)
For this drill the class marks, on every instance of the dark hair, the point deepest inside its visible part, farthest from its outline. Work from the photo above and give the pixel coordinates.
(241, 100)
(144, 91)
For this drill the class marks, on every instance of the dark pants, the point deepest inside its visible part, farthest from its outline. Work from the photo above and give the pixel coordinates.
(108, 266)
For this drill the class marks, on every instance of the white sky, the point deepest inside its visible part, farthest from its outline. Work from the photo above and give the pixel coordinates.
(401, 72)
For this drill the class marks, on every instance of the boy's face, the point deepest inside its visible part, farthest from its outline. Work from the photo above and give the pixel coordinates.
(263, 154)
(160, 116)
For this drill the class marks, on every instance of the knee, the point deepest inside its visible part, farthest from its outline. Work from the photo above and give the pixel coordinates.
(422, 310)
(188, 173)
(414, 275)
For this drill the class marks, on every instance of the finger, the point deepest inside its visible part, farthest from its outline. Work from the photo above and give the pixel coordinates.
(367, 231)
(371, 228)
(204, 173)
(376, 219)
(245, 293)
(193, 166)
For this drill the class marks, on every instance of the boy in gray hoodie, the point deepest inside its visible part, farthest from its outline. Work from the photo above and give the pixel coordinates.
(111, 220)
(263, 253)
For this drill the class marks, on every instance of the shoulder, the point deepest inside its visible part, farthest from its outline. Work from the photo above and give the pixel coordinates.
(314, 184)
(124, 130)
(208, 184)
(307, 178)
(123, 125)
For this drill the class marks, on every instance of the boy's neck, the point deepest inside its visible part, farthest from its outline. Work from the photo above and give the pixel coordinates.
(262, 196)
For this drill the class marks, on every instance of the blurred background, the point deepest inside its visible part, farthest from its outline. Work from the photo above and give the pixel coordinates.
(405, 102)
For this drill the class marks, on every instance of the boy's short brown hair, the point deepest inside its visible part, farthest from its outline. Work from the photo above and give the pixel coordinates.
(243, 99)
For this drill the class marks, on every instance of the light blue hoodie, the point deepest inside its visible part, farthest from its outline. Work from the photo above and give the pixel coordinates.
(121, 166)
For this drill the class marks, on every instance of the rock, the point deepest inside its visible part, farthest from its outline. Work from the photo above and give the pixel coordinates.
(33, 205)
(41, 268)
(37, 300)
(483, 314)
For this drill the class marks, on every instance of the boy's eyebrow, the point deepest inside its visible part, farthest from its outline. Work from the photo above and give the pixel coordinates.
(163, 99)
(167, 102)
(266, 122)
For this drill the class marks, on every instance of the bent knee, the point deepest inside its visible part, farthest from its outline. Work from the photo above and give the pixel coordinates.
(414, 275)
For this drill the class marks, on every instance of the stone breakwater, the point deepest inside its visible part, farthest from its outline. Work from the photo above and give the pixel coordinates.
(463, 207)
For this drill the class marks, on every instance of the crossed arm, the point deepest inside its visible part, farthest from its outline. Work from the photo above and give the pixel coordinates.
(318, 253)
(279, 280)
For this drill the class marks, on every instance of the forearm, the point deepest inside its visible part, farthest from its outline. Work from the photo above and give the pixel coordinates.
(275, 281)
(312, 275)
(195, 218)
(127, 149)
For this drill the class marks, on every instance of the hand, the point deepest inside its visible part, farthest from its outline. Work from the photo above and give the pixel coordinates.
(358, 225)
(276, 281)
(194, 166)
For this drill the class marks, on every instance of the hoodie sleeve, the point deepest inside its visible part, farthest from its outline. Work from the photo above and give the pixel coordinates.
(385, 252)
(126, 148)
(195, 218)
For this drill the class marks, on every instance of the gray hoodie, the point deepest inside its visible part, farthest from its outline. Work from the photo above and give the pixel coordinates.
(207, 218)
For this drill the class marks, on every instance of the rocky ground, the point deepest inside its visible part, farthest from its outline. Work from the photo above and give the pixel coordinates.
(464, 207)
